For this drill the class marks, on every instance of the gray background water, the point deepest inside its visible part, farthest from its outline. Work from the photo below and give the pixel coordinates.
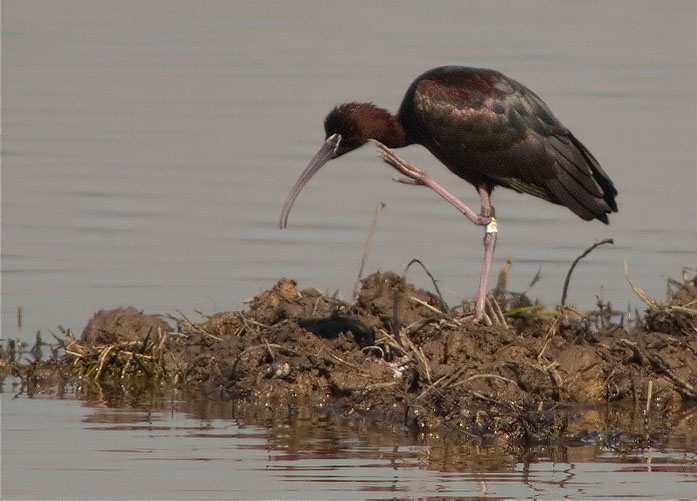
(148, 146)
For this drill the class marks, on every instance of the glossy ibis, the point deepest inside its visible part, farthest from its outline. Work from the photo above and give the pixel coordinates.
(486, 128)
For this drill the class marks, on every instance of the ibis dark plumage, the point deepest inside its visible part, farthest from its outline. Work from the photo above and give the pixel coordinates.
(486, 128)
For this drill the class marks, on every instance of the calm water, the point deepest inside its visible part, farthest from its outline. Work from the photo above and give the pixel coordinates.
(198, 450)
(148, 147)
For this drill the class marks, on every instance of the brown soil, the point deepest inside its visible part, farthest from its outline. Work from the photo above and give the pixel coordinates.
(398, 355)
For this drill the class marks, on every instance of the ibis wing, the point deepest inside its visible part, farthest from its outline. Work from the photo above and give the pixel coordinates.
(498, 130)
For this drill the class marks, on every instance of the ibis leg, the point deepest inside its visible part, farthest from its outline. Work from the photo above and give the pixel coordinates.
(485, 218)
(490, 234)
(419, 177)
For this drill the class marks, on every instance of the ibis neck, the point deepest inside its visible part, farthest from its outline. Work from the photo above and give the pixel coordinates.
(391, 132)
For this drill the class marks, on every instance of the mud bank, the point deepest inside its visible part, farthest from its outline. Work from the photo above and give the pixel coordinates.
(397, 354)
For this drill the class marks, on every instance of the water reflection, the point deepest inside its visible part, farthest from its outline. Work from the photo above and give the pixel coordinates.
(206, 449)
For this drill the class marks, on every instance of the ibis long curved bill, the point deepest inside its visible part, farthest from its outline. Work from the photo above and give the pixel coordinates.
(324, 155)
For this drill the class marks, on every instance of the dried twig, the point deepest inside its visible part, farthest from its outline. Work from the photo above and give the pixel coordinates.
(336, 358)
(390, 343)
(433, 280)
(395, 316)
(664, 369)
(573, 265)
(485, 376)
(432, 308)
(195, 328)
(550, 333)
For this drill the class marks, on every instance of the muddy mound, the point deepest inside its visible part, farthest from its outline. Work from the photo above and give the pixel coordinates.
(398, 354)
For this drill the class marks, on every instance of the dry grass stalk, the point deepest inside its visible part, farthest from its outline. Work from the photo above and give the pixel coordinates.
(503, 278)
(191, 327)
(366, 249)
(430, 307)
(94, 361)
(653, 305)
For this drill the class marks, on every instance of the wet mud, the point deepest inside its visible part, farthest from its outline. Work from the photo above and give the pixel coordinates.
(398, 355)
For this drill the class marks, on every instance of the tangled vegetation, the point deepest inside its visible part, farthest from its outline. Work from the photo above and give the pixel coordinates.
(399, 354)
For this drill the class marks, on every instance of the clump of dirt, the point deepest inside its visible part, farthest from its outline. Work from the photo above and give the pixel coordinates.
(680, 315)
(398, 354)
(119, 325)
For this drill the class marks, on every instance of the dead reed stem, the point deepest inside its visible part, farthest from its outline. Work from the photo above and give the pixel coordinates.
(573, 265)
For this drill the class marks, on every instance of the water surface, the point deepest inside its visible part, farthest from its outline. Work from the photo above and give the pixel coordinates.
(147, 148)
(204, 450)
